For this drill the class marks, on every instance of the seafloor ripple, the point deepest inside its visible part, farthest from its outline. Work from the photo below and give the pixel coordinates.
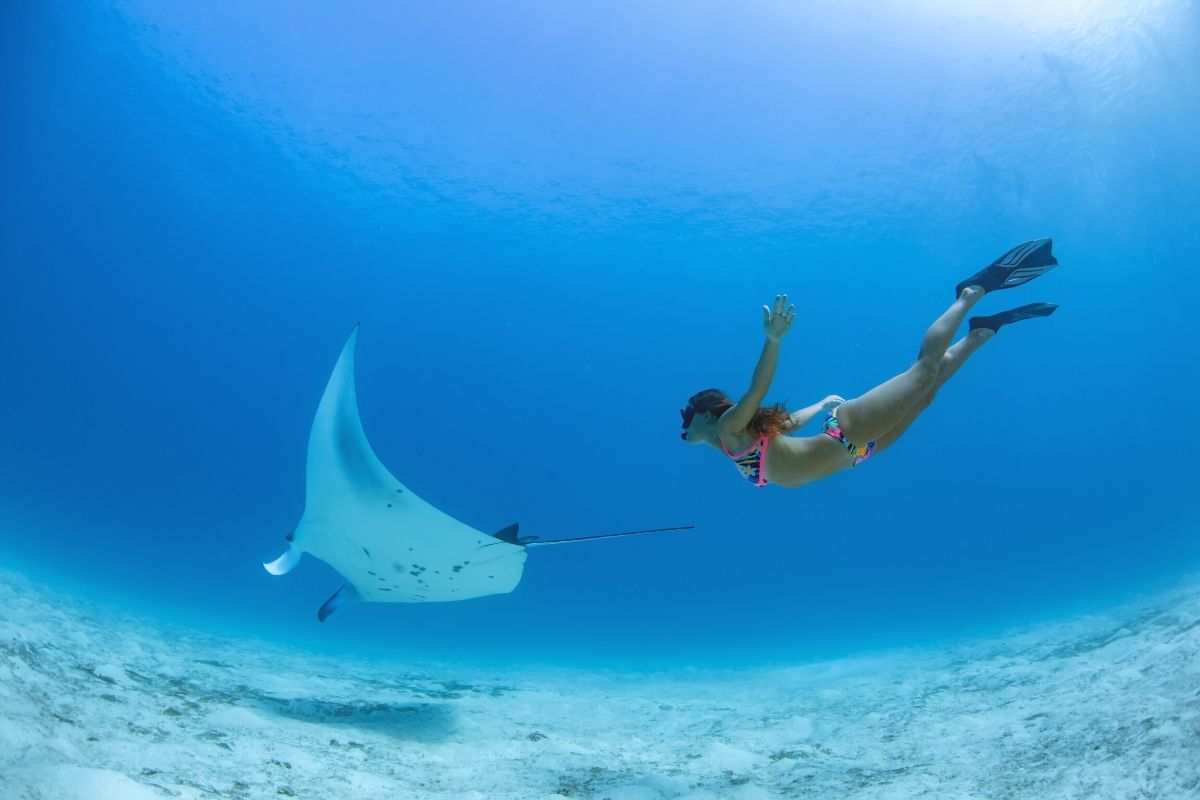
(95, 705)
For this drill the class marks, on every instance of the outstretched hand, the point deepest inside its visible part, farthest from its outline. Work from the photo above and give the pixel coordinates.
(832, 401)
(777, 321)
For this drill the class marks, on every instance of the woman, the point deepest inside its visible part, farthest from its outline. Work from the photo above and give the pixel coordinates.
(755, 437)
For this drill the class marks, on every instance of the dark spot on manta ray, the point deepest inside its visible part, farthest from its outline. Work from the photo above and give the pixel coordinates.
(389, 505)
(370, 573)
(384, 589)
(398, 566)
(399, 491)
(368, 552)
(415, 574)
(291, 537)
(456, 568)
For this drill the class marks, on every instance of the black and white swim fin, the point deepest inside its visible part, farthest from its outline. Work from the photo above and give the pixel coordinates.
(1020, 265)
(1030, 311)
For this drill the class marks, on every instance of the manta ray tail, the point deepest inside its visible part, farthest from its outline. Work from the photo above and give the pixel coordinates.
(285, 562)
(342, 597)
(511, 536)
(537, 541)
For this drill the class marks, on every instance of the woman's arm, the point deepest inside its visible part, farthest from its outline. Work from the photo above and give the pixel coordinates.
(775, 324)
(798, 419)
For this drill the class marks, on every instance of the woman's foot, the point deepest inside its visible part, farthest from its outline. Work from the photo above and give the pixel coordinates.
(971, 294)
(981, 335)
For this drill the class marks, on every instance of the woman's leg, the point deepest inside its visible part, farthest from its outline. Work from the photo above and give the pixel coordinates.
(870, 416)
(955, 357)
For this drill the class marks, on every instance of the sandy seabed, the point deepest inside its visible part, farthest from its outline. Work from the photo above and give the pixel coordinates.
(102, 706)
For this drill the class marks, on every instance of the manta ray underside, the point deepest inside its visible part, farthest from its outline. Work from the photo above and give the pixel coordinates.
(390, 545)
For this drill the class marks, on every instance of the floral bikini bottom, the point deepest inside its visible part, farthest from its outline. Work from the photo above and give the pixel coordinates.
(834, 429)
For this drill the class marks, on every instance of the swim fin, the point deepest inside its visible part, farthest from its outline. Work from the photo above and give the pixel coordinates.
(995, 321)
(1020, 265)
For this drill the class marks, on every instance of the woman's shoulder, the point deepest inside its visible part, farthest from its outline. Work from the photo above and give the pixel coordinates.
(739, 442)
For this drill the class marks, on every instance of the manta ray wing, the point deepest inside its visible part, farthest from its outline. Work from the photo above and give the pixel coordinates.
(390, 545)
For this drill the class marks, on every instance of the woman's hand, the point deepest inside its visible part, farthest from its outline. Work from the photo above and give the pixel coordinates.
(832, 401)
(776, 322)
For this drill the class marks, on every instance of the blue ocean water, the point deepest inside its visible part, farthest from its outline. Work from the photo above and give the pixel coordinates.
(554, 223)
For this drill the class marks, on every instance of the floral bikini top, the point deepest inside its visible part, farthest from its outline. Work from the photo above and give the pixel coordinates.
(750, 461)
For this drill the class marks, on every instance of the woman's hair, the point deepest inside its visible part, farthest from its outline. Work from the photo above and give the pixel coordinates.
(765, 422)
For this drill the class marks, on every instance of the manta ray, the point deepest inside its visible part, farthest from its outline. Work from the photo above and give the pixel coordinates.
(389, 544)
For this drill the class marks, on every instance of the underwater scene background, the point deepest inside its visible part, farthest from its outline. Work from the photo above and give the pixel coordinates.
(554, 223)
(557, 222)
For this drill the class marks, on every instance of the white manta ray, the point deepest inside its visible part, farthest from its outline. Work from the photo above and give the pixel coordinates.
(390, 545)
